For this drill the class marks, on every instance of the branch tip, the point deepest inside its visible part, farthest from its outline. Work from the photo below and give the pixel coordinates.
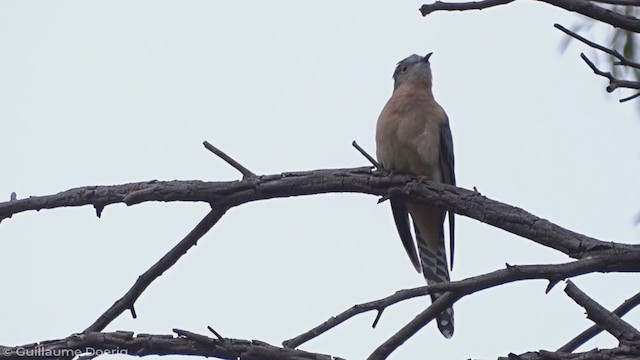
(132, 309)
(377, 319)
(551, 285)
(246, 173)
(384, 198)
(99, 209)
(215, 333)
(373, 161)
(612, 323)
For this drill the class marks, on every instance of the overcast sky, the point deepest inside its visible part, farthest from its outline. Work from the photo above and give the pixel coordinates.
(100, 93)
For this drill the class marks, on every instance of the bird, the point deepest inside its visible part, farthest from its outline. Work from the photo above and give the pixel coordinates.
(413, 137)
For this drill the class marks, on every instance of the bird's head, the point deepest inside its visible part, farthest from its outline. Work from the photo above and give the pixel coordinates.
(415, 68)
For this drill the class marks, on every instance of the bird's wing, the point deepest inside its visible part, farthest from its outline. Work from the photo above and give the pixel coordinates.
(401, 217)
(448, 173)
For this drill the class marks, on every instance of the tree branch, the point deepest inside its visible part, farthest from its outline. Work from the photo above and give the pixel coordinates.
(356, 180)
(127, 301)
(623, 60)
(619, 353)
(438, 306)
(596, 329)
(618, 2)
(187, 343)
(583, 7)
(246, 173)
(603, 317)
(614, 82)
(460, 6)
(553, 273)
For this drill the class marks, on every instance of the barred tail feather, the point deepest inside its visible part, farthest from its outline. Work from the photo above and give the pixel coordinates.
(435, 270)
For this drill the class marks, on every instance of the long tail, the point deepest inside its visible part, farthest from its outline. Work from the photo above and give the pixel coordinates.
(435, 270)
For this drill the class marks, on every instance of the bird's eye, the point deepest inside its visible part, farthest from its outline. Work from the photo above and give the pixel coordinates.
(404, 68)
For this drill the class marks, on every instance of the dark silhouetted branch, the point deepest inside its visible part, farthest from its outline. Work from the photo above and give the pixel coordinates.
(591, 332)
(583, 7)
(243, 170)
(144, 280)
(373, 161)
(619, 353)
(357, 180)
(624, 262)
(619, 2)
(623, 60)
(612, 323)
(614, 83)
(438, 306)
(187, 343)
(460, 6)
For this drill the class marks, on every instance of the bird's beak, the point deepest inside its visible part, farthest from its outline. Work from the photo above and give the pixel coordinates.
(425, 59)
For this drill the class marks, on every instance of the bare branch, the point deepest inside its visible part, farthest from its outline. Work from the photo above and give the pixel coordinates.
(630, 97)
(603, 317)
(620, 353)
(334, 321)
(366, 155)
(623, 60)
(460, 6)
(357, 180)
(618, 2)
(629, 261)
(187, 343)
(438, 306)
(614, 83)
(144, 280)
(583, 7)
(591, 332)
(243, 170)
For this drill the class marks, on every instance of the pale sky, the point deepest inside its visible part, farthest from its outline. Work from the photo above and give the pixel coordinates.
(101, 93)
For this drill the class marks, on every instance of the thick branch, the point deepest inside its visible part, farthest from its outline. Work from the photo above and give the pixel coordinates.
(603, 317)
(358, 180)
(583, 7)
(619, 353)
(125, 343)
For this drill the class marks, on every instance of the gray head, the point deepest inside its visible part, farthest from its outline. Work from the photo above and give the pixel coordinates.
(414, 67)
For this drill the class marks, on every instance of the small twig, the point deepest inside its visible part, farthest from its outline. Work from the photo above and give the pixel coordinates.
(157, 269)
(366, 154)
(630, 97)
(420, 321)
(470, 5)
(614, 83)
(596, 329)
(215, 333)
(193, 336)
(243, 170)
(384, 198)
(623, 60)
(378, 316)
(601, 316)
